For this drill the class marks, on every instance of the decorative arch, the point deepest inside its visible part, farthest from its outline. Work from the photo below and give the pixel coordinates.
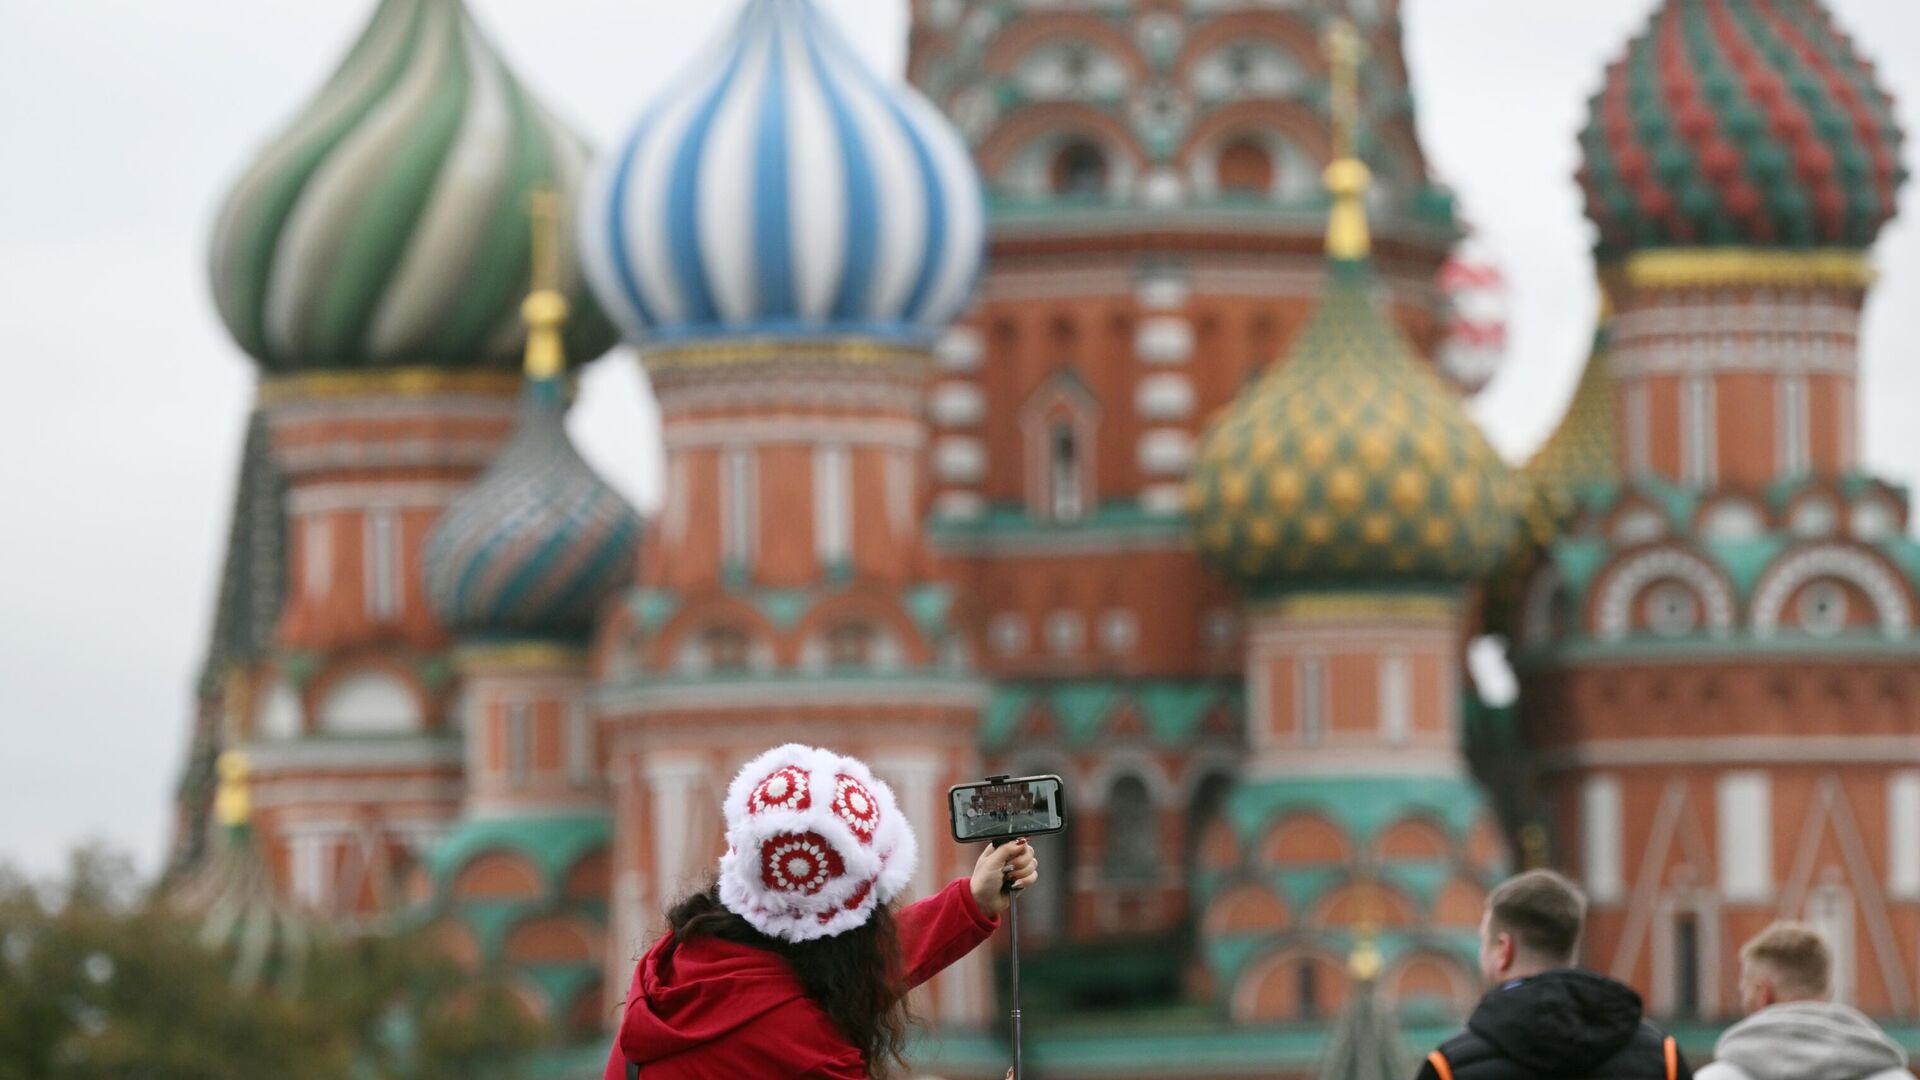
(1416, 837)
(455, 941)
(1542, 611)
(282, 713)
(591, 877)
(1292, 122)
(1283, 31)
(1225, 72)
(497, 875)
(1892, 604)
(1130, 761)
(1305, 838)
(1036, 30)
(1059, 426)
(1459, 903)
(868, 607)
(1625, 583)
(553, 939)
(1288, 985)
(709, 613)
(1431, 975)
(587, 1016)
(1041, 128)
(1130, 849)
(1365, 903)
(1219, 847)
(1248, 908)
(370, 701)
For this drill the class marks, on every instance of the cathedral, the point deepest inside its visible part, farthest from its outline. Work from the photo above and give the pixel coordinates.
(1092, 402)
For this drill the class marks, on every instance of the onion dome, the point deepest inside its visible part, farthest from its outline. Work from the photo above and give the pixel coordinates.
(781, 188)
(240, 912)
(539, 540)
(385, 226)
(1740, 122)
(1580, 452)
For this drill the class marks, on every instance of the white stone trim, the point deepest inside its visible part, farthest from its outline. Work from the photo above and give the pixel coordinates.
(1888, 593)
(1164, 396)
(1625, 583)
(764, 431)
(1164, 339)
(959, 459)
(960, 348)
(957, 404)
(366, 495)
(1165, 452)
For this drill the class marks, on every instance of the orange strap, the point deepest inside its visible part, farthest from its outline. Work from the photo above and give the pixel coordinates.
(1673, 1059)
(1439, 1062)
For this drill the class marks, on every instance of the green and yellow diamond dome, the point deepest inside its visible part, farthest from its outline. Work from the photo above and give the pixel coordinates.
(1350, 460)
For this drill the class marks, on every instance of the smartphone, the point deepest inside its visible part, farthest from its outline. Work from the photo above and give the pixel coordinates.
(1003, 807)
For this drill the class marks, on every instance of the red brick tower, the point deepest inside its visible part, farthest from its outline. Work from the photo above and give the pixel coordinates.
(1718, 654)
(388, 381)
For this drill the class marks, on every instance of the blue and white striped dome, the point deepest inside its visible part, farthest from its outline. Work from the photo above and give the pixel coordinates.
(782, 188)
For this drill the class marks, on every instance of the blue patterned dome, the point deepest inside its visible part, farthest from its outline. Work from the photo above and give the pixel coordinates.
(538, 541)
(782, 188)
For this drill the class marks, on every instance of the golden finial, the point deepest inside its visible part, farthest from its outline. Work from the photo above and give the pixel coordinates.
(232, 804)
(1365, 963)
(545, 309)
(1346, 176)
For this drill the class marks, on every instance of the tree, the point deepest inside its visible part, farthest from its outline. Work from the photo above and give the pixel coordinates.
(100, 979)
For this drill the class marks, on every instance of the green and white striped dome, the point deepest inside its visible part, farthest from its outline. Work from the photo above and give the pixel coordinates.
(386, 226)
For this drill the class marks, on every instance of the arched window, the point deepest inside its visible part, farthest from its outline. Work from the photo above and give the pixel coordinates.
(1245, 168)
(370, 703)
(1079, 169)
(1132, 847)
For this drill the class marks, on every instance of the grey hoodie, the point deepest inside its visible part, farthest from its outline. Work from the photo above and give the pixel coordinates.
(1806, 1040)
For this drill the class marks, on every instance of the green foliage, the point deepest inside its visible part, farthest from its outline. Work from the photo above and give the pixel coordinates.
(100, 980)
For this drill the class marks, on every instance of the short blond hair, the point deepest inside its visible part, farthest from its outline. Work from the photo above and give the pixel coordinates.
(1795, 955)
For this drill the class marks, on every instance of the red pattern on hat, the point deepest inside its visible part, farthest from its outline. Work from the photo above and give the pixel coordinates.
(856, 806)
(799, 863)
(785, 788)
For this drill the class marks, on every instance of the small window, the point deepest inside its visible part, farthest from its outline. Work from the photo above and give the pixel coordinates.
(1307, 989)
(519, 741)
(850, 645)
(1133, 851)
(1672, 609)
(383, 564)
(1245, 168)
(726, 650)
(1823, 608)
(1079, 169)
(1064, 466)
(1686, 965)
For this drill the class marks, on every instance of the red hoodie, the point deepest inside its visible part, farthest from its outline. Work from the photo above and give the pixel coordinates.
(720, 1010)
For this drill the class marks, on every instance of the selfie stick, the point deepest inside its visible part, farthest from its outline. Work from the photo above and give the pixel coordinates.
(1013, 954)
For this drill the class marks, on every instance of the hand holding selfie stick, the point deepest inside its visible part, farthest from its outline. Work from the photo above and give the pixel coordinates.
(1002, 810)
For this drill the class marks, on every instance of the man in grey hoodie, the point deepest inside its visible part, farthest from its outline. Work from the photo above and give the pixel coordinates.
(1792, 1031)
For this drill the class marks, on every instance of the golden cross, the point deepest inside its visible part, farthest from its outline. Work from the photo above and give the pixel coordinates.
(543, 207)
(1344, 52)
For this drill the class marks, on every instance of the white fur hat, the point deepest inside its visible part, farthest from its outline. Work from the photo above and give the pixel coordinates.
(814, 843)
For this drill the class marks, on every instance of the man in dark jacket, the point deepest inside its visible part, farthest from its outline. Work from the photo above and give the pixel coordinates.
(1543, 1019)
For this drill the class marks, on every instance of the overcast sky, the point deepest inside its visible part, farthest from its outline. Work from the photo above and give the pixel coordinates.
(123, 121)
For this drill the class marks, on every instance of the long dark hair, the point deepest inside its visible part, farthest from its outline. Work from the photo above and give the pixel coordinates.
(855, 975)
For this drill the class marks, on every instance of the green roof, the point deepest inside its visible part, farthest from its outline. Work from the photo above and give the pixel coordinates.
(1360, 805)
(1172, 709)
(552, 844)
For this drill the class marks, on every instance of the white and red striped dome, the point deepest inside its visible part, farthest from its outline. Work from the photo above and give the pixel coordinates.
(1473, 343)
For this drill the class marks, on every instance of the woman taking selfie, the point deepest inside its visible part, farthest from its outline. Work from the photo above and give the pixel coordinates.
(791, 964)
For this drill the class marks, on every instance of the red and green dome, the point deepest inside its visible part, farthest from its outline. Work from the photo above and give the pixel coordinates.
(1740, 123)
